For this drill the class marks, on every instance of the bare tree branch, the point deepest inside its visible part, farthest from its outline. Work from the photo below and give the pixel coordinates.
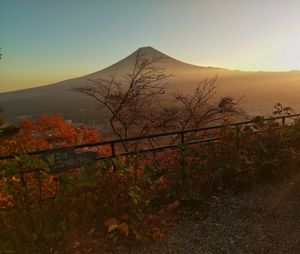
(130, 101)
(136, 103)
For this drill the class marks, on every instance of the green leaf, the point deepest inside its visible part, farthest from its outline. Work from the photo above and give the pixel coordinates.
(122, 166)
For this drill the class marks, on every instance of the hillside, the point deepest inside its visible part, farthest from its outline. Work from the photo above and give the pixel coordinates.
(260, 90)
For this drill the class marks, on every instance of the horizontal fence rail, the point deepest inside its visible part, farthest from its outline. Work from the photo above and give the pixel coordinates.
(181, 134)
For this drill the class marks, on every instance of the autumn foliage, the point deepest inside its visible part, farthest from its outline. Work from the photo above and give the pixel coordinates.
(48, 131)
(125, 199)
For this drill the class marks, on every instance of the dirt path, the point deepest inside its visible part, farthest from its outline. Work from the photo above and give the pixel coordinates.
(266, 220)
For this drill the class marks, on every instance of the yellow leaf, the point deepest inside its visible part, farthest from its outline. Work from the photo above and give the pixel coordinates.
(124, 228)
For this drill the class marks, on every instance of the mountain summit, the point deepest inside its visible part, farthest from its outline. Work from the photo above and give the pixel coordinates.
(150, 51)
(172, 65)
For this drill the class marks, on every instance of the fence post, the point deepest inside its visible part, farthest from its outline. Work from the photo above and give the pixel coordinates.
(113, 154)
(283, 120)
(182, 138)
(113, 151)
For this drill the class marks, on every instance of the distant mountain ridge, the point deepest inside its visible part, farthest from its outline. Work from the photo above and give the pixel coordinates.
(261, 90)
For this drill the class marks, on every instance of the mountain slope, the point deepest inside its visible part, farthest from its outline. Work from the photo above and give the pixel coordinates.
(261, 90)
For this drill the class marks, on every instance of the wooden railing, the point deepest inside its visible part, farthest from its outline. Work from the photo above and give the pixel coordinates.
(181, 137)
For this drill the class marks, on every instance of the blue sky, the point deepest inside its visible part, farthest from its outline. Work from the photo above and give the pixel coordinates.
(45, 41)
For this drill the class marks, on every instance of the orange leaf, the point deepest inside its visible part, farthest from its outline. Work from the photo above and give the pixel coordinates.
(124, 228)
(111, 224)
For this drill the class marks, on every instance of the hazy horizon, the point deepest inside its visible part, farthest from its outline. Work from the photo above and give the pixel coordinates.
(44, 42)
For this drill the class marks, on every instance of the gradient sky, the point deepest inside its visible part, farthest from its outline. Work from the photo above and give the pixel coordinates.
(44, 41)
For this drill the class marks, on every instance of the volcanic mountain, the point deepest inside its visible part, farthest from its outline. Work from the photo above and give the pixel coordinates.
(260, 90)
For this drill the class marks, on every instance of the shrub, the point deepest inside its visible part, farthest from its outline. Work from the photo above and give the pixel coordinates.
(134, 197)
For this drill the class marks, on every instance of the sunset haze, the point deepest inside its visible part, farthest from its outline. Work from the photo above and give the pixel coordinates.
(48, 41)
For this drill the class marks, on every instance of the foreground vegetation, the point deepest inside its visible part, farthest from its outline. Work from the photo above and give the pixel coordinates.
(122, 200)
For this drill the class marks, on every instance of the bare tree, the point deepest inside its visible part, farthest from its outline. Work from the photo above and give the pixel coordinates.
(281, 110)
(139, 104)
(130, 101)
(188, 111)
